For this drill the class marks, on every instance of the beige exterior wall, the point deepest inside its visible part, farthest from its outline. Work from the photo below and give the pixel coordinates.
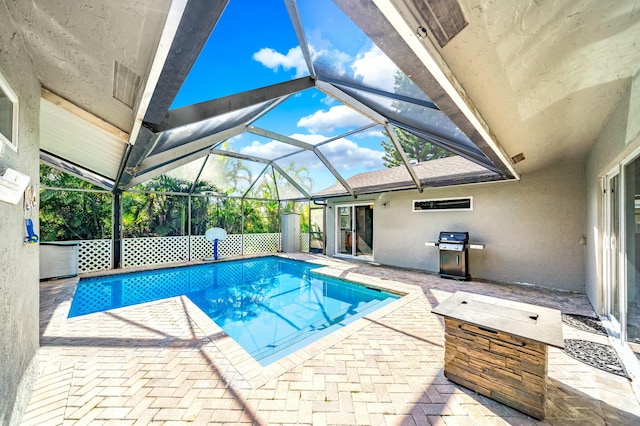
(618, 140)
(532, 229)
(19, 298)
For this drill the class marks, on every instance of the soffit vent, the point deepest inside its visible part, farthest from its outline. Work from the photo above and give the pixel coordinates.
(444, 18)
(125, 84)
(517, 158)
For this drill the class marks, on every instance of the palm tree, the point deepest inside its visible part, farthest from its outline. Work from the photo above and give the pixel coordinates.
(416, 148)
(161, 212)
(73, 214)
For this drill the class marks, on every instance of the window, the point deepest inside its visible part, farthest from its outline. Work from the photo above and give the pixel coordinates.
(440, 204)
(8, 116)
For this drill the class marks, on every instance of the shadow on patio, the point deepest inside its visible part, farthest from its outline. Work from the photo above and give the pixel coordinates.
(155, 363)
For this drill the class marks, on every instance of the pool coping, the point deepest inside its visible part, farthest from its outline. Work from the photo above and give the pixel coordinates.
(243, 370)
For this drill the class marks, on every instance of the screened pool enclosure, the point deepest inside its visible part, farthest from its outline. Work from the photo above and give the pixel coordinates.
(161, 222)
(238, 123)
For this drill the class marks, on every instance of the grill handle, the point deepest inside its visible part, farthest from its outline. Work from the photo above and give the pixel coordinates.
(473, 246)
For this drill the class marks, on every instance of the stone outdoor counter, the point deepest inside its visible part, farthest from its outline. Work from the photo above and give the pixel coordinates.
(498, 348)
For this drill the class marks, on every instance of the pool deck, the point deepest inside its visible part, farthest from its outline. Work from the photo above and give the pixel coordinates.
(165, 362)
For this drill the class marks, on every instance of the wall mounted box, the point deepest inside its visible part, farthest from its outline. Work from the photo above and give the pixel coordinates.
(58, 260)
(12, 185)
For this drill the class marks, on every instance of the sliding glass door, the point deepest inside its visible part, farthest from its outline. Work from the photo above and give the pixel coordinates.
(354, 230)
(621, 251)
(631, 294)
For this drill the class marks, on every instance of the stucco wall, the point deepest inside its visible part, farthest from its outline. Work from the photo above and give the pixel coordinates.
(619, 138)
(18, 261)
(532, 229)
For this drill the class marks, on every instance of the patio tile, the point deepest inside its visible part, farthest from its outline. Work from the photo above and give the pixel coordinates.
(50, 397)
(90, 417)
(227, 415)
(141, 408)
(204, 417)
(338, 418)
(162, 363)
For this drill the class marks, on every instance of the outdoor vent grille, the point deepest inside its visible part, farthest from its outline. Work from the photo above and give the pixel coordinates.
(125, 84)
(444, 18)
(440, 204)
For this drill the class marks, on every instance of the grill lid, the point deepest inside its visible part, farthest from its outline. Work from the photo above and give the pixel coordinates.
(453, 237)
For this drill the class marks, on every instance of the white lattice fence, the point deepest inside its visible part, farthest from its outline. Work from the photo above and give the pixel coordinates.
(202, 249)
(94, 255)
(154, 250)
(261, 243)
(304, 242)
(232, 246)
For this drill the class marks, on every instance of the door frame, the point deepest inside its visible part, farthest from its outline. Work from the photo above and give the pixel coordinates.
(337, 230)
(612, 250)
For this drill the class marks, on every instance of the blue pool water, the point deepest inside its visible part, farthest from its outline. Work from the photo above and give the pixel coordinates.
(270, 306)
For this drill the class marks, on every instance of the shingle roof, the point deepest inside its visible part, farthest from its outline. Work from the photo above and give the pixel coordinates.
(440, 172)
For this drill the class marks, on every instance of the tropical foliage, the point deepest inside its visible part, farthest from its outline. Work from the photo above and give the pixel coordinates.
(416, 148)
(73, 213)
(160, 206)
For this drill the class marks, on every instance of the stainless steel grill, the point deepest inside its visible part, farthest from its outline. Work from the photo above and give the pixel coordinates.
(454, 255)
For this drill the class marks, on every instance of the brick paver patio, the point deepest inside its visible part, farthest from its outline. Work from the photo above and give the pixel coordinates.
(166, 363)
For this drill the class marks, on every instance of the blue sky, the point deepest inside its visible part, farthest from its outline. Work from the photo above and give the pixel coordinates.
(254, 45)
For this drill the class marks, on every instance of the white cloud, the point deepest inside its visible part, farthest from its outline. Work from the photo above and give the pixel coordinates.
(306, 159)
(347, 155)
(375, 69)
(336, 116)
(313, 139)
(273, 149)
(328, 100)
(343, 154)
(274, 60)
(374, 132)
(333, 60)
(294, 59)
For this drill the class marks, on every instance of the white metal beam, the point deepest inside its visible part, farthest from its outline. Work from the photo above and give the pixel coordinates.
(166, 39)
(349, 101)
(276, 136)
(294, 16)
(403, 156)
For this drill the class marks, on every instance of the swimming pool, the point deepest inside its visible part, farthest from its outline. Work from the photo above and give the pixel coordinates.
(270, 306)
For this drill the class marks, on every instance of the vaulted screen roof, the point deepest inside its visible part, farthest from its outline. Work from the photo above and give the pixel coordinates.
(313, 96)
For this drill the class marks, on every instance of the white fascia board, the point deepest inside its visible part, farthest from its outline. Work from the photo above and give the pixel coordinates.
(454, 90)
(166, 39)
